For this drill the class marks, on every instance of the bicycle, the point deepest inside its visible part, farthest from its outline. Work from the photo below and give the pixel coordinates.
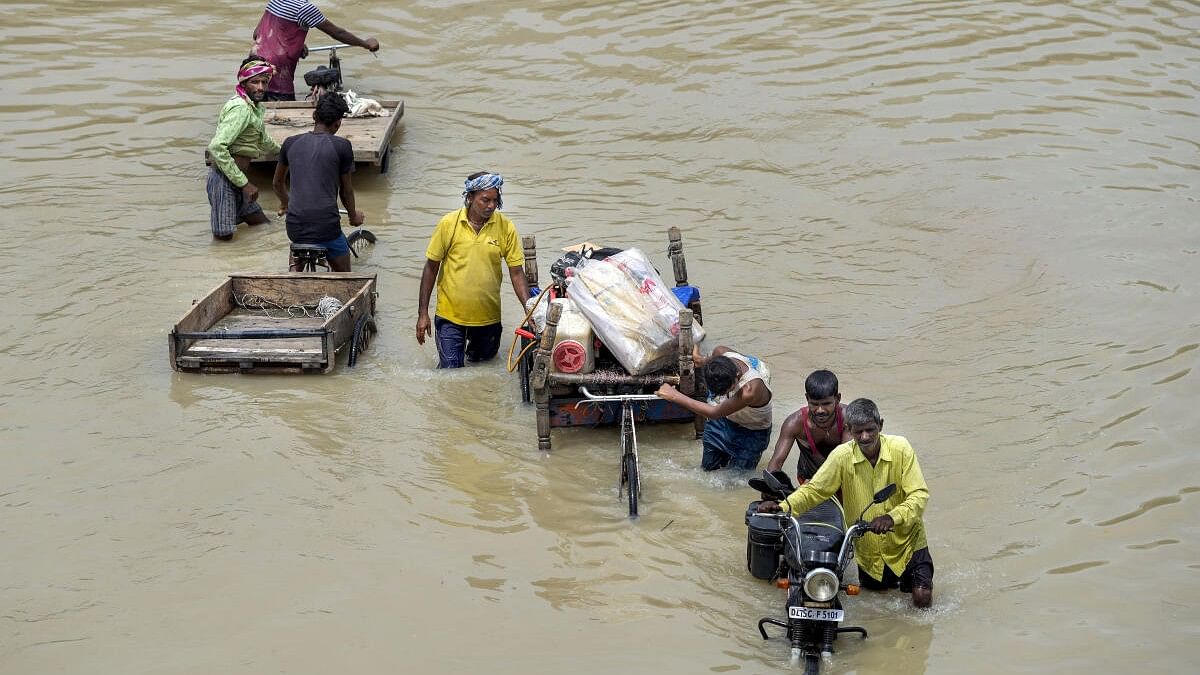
(308, 257)
(630, 480)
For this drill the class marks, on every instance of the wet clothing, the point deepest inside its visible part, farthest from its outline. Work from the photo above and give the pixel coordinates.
(279, 39)
(728, 445)
(240, 131)
(847, 469)
(918, 574)
(472, 266)
(316, 162)
(229, 204)
(475, 343)
(738, 440)
(749, 417)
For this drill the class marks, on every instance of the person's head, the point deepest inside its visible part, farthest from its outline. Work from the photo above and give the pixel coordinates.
(482, 195)
(862, 416)
(253, 76)
(821, 392)
(720, 374)
(330, 110)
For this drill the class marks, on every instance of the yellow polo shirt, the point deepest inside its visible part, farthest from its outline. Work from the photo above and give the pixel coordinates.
(473, 265)
(848, 469)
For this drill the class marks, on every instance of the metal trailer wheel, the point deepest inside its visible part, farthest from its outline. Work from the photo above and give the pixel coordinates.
(360, 339)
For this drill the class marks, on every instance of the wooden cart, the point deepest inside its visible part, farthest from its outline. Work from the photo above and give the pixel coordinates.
(557, 395)
(271, 323)
(370, 136)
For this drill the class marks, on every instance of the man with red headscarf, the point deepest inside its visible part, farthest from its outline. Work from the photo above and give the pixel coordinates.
(240, 138)
(279, 39)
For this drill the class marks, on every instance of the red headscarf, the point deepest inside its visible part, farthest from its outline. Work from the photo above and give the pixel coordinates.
(249, 70)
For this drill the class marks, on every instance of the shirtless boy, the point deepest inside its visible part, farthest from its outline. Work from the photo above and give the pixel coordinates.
(817, 428)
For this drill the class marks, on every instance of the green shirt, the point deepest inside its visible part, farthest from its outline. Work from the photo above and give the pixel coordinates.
(240, 131)
(847, 469)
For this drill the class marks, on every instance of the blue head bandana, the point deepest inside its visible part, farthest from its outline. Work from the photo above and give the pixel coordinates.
(486, 182)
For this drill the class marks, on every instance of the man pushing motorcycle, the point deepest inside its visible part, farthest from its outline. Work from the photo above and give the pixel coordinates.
(859, 468)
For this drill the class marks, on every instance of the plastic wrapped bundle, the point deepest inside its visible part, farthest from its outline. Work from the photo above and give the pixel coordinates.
(632, 311)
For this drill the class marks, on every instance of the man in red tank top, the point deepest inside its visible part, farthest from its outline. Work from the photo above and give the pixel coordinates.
(279, 39)
(817, 428)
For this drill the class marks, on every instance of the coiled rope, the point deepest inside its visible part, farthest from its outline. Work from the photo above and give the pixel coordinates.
(326, 307)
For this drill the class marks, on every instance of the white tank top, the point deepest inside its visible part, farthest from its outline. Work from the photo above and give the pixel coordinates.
(750, 417)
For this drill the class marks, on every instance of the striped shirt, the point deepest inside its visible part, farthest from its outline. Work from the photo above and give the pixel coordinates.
(301, 12)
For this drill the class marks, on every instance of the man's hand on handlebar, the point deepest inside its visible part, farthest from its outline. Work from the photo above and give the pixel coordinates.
(358, 218)
(666, 392)
(372, 44)
(769, 506)
(882, 524)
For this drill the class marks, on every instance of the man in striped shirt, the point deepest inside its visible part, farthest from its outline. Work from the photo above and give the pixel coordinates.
(899, 555)
(279, 38)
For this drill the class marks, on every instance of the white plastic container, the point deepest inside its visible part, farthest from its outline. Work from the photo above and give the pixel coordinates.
(574, 342)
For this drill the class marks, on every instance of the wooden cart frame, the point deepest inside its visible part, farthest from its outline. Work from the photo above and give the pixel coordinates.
(370, 136)
(556, 394)
(227, 331)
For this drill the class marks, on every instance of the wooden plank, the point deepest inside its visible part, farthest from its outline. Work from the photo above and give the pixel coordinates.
(300, 289)
(203, 314)
(370, 136)
(305, 349)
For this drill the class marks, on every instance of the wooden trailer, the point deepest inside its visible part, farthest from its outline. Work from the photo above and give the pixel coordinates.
(556, 394)
(370, 136)
(272, 323)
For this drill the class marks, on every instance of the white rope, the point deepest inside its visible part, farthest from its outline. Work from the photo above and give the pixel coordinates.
(326, 307)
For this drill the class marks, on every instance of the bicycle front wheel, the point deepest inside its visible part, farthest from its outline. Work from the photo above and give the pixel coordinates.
(633, 483)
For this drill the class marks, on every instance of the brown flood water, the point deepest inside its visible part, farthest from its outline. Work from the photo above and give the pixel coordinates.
(981, 215)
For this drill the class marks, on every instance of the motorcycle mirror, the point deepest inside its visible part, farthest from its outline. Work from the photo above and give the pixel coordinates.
(882, 495)
(773, 482)
(785, 480)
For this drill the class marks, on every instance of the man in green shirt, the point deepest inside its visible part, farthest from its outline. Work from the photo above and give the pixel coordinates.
(240, 138)
(899, 555)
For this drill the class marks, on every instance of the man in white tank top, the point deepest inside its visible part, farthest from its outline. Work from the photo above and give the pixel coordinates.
(738, 409)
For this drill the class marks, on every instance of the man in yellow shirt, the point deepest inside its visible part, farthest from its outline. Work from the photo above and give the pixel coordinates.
(464, 256)
(899, 555)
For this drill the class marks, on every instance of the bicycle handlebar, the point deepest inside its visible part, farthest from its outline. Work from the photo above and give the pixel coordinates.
(618, 397)
(328, 48)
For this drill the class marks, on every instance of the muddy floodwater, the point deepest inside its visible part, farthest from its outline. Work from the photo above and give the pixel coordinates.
(981, 215)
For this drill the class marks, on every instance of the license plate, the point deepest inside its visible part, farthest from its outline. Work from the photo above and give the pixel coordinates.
(816, 614)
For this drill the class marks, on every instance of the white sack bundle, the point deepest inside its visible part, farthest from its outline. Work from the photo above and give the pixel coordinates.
(631, 310)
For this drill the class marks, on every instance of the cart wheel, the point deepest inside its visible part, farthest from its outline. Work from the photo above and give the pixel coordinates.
(361, 338)
(360, 241)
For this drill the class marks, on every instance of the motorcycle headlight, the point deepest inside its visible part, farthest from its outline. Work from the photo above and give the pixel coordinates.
(821, 585)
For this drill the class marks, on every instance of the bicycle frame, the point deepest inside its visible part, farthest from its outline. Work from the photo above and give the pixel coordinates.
(630, 478)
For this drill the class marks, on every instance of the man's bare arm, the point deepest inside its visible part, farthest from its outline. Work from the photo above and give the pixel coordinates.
(342, 35)
(789, 431)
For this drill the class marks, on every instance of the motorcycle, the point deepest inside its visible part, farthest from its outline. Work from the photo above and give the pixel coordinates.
(815, 548)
